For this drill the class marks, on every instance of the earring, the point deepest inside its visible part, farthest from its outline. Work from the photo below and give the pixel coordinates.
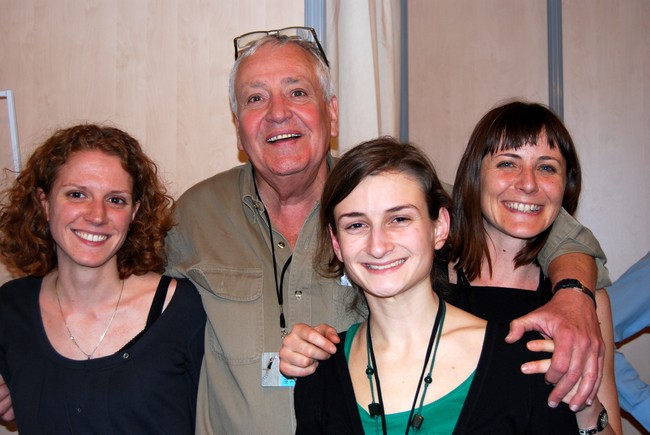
(345, 281)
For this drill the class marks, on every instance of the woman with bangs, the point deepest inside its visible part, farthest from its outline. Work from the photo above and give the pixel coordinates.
(520, 168)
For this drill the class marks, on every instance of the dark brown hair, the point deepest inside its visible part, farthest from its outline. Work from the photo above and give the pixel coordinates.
(26, 244)
(509, 126)
(374, 157)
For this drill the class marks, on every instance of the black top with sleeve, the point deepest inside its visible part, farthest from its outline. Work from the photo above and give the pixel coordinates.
(149, 387)
(501, 400)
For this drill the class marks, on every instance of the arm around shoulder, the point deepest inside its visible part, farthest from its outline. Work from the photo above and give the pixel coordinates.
(568, 236)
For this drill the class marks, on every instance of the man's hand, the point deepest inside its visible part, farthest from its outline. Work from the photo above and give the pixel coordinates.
(571, 321)
(542, 365)
(304, 346)
(6, 408)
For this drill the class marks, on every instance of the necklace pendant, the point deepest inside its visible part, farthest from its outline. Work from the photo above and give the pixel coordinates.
(417, 421)
(374, 409)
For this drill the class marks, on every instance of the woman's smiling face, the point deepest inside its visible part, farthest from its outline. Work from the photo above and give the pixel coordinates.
(385, 237)
(522, 190)
(89, 209)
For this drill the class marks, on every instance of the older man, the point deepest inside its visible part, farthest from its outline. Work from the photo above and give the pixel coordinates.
(246, 238)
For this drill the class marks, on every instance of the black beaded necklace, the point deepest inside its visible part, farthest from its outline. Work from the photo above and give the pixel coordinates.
(415, 419)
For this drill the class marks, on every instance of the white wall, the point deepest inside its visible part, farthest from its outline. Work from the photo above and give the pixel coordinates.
(607, 85)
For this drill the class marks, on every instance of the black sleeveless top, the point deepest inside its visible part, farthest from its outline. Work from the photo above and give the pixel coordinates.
(501, 304)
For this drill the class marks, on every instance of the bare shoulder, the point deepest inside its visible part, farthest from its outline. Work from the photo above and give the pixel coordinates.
(464, 328)
(459, 350)
(147, 285)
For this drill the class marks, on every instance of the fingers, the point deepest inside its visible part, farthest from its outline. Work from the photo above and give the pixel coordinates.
(6, 409)
(536, 367)
(545, 345)
(517, 329)
(539, 366)
(570, 319)
(542, 366)
(290, 369)
(562, 374)
(573, 363)
(330, 334)
(588, 386)
(304, 346)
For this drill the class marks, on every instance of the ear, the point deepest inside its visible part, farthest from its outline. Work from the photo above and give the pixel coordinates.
(136, 207)
(441, 228)
(45, 203)
(240, 147)
(333, 108)
(335, 244)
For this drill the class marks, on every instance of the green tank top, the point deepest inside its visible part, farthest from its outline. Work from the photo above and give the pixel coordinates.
(440, 417)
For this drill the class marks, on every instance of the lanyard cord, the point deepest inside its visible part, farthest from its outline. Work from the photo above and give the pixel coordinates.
(278, 286)
(416, 421)
(373, 369)
(434, 332)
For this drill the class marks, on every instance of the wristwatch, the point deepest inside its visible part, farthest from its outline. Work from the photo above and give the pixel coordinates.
(603, 420)
(574, 284)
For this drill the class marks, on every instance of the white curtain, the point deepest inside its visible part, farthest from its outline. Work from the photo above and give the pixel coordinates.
(363, 44)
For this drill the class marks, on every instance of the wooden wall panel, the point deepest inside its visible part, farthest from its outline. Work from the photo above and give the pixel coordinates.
(158, 69)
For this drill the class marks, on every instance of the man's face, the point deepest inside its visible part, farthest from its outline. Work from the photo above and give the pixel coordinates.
(284, 124)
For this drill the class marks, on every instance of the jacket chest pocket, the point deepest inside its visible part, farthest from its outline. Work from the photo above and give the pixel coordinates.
(232, 298)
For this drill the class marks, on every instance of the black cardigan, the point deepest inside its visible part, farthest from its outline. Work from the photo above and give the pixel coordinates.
(501, 400)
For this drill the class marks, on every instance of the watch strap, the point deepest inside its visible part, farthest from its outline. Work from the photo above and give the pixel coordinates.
(601, 424)
(571, 283)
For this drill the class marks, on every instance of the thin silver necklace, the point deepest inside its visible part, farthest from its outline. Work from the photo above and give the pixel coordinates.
(88, 355)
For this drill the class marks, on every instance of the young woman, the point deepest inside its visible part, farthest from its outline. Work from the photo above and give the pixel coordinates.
(416, 364)
(519, 169)
(94, 339)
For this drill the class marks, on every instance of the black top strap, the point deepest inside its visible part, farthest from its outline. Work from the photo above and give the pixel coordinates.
(158, 302)
(155, 311)
(461, 279)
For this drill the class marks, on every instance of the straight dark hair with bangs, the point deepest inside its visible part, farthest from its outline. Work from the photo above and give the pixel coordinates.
(506, 127)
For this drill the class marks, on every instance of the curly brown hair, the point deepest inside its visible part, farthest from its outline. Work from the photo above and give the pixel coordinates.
(26, 245)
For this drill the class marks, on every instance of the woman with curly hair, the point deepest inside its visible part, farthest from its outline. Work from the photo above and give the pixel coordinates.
(94, 339)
